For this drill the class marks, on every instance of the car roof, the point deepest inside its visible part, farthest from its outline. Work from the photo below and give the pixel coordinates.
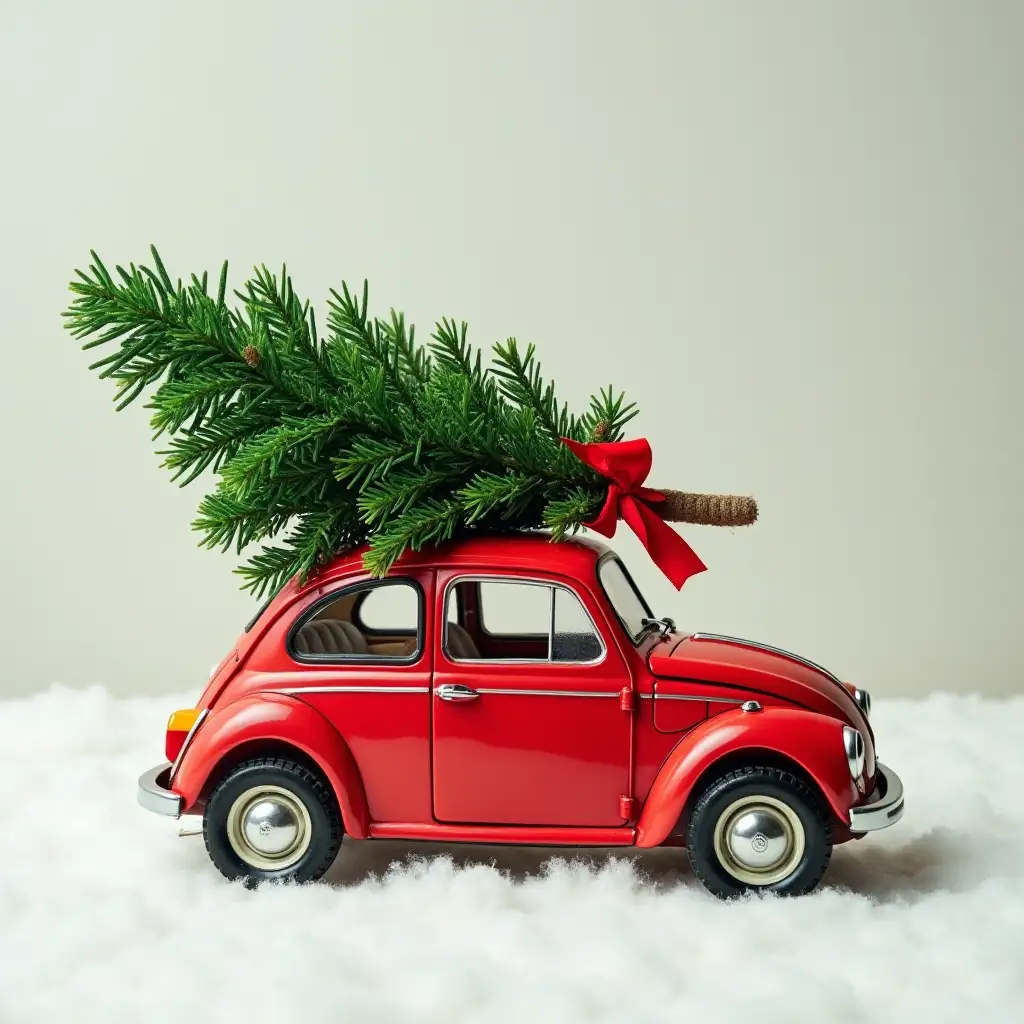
(573, 557)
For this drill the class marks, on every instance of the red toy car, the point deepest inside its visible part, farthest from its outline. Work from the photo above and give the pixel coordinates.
(511, 690)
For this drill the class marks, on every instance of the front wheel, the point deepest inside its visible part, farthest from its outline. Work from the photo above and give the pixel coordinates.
(272, 818)
(756, 829)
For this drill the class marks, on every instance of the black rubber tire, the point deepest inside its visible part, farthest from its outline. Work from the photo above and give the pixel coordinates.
(305, 784)
(759, 781)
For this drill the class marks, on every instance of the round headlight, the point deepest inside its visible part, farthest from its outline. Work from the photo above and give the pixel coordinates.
(853, 743)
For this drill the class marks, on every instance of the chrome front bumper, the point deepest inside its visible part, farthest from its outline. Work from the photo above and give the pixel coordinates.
(885, 806)
(153, 792)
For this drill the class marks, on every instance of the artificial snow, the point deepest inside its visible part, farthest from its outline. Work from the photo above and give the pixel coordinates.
(106, 915)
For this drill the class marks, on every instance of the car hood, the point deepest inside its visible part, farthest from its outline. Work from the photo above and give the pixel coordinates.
(757, 668)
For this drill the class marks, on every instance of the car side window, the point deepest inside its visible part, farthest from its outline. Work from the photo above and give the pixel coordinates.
(367, 622)
(518, 620)
(391, 610)
(574, 637)
(509, 608)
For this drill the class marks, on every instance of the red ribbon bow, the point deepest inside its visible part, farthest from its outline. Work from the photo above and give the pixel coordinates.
(626, 464)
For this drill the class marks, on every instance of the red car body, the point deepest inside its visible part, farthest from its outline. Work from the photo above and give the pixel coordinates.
(611, 752)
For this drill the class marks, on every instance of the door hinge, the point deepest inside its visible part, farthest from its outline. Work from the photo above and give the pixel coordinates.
(626, 805)
(627, 699)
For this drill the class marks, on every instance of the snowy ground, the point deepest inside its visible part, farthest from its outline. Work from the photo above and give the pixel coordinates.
(105, 915)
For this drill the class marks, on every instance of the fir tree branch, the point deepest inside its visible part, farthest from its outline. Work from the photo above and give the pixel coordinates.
(268, 570)
(203, 395)
(399, 492)
(363, 434)
(226, 520)
(522, 384)
(370, 459)
(567, 515)
(453, 353)
(508, 494)
(212, 444)
(412, 359)
(260, 459)
(386, 349)
(315, 539)
(606, 417)
(432, 522)
(175, 332)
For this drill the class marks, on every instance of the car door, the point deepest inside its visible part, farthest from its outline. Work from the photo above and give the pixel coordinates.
(528, 726)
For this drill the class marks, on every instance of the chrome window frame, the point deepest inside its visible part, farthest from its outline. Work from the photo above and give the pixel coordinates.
(326, 600)
(533, 581)
(611, 556)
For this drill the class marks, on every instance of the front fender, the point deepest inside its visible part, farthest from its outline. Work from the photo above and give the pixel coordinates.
(811, 740)
(275, 717)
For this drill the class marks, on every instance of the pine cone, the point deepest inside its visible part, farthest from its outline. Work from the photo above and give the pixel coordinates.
(251, 356)
(706, 509)
(600, 431)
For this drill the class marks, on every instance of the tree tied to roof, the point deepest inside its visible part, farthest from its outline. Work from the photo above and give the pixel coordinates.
(360, 434)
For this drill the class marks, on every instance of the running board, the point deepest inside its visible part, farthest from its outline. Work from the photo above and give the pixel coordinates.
(517, 835)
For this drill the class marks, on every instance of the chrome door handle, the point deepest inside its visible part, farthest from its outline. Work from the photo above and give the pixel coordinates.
(456, 692)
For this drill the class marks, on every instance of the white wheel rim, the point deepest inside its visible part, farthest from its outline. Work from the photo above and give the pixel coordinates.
(269, 828)
(759, 840)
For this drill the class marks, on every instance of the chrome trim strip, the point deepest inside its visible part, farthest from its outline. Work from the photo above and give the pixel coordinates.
(886, 810)
(532, 581)
(292, 690)
(611, 556)
(513, 661)
(154, 795)
(188, 739)
(551, 625)
(711, 700)
(551, 693)
(773, 650)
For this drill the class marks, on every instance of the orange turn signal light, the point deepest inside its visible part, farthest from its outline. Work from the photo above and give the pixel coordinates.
(182, 721)
(178, 727)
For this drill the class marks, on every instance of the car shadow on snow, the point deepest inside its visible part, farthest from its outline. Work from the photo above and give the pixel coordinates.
(360, 860)
(940, 860)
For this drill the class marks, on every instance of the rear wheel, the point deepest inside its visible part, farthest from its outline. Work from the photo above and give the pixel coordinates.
(759, 829)
(272, 818)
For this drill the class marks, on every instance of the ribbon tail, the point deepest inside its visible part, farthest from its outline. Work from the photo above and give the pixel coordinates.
(669, 552)
(608, 517)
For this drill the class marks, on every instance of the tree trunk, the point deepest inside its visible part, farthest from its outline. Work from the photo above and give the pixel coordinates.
(706, 509)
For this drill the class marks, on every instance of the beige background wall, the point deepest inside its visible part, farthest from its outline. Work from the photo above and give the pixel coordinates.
(792, 231)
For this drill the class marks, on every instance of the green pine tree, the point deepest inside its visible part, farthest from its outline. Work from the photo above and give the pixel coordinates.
(325, 442)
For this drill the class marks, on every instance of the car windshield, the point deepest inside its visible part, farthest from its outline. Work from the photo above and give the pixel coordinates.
(627, 601)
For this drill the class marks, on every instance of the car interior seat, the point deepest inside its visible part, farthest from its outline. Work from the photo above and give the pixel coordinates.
(460, 644)
(330, 636)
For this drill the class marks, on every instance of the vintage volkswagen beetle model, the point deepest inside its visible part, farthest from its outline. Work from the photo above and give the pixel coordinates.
(511, 690)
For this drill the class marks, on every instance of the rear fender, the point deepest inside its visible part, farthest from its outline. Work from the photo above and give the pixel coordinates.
(811, 740)
(272, 717)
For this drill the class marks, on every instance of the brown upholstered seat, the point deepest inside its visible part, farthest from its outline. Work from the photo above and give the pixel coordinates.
(460, 644)
(330, 636)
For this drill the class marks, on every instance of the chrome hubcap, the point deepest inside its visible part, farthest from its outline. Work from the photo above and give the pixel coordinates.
(269, 828)
(759, 840)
